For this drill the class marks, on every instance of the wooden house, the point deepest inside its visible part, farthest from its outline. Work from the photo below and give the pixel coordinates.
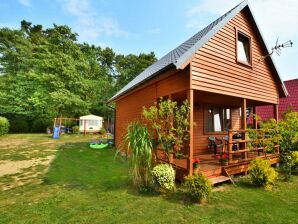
(221, 71)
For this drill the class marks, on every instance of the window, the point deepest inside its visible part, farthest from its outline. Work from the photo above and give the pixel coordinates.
(243, 48)
(93, 122)
(217, 119)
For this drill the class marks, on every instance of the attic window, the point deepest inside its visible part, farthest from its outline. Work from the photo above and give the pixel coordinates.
(243, 48)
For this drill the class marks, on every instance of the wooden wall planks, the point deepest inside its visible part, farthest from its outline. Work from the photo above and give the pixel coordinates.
(214, 66)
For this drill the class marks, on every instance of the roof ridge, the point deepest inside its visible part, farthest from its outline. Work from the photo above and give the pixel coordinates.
(181, 55)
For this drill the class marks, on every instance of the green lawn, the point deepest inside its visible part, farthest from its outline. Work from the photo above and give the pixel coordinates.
(88, 186)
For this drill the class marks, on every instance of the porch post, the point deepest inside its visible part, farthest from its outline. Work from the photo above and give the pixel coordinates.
(243, 124)
(255, 121)
(190, 99)
(275, 109)
(243, 115)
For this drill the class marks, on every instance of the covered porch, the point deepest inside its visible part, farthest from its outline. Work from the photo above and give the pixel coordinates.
(222, 117)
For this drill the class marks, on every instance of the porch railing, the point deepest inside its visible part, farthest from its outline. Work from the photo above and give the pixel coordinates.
(256, 145)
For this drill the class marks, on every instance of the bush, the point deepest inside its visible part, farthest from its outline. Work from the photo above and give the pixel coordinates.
(163, 177)
(19, 125)
(290, 163)
(197, 187)
(76, 129)
(261, 173)
(40, 125)
(4, 126)
(102, 131)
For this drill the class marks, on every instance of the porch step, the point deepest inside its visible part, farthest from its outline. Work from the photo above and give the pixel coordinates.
(219, 179)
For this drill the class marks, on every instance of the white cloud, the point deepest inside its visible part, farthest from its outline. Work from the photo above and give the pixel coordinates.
(89, 25)
(26, 3)
(275, 19)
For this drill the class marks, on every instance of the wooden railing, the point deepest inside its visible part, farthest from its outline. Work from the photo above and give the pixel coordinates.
(241, 145)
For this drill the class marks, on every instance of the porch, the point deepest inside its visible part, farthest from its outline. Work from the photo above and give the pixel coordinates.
(222, 117)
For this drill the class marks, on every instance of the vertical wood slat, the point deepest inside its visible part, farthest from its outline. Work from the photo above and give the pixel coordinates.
(230, 145)
(190, 99)
(243, 123)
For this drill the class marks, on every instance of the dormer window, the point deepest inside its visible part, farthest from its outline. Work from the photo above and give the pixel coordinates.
(243, 48)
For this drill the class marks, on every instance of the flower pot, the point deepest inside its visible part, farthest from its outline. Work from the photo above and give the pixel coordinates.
(224, 163)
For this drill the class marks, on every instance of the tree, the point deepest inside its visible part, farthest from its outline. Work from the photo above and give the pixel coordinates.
(46, 73)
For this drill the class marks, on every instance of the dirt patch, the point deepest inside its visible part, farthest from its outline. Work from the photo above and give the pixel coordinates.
(8, 167)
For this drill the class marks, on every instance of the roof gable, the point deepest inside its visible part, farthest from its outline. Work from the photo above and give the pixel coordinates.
(181, 56)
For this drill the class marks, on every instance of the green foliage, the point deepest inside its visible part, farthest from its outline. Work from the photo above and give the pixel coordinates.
(19, 124)
(198, 187)
(4, 126)
(140, 147)
(261, 173)
(40, 125)
(170, 121)
(76, 129)
(46, 73)
(290, 163)
(163, 176)
(102, 131)
(288, 128)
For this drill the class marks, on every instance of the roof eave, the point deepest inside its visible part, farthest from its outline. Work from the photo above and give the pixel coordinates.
(168, 67)
(187, 56)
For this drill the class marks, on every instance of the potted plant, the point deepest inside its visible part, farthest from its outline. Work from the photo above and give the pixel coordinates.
(196, 165)
(223, 159)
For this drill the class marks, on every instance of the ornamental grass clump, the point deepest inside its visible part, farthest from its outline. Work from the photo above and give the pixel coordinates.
(261, 173)
(198, 187)
(163, 177)
(140, 147)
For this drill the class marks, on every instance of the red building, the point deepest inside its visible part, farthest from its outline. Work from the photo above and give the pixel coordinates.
(266, 112)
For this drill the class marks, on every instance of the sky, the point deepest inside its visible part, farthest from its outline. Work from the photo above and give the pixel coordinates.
(136, 26)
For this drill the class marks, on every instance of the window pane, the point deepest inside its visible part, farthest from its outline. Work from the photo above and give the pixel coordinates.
(217, 121)
(243, 48)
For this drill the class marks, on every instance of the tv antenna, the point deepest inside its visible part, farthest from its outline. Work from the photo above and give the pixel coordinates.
(277, 48)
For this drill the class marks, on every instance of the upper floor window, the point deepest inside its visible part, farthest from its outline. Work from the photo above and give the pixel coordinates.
(243, 48)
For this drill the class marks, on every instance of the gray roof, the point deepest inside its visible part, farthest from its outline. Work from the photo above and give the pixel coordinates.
(184, 52)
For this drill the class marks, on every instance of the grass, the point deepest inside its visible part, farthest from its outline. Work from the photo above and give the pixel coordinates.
(88, 186)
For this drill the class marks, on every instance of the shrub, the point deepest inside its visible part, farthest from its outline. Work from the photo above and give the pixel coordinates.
(40, 125)
(163, 177)
(102, 131)
(139, 145)
(197, 187)
(76, 129)
(19, 125)
(4, 126)
(261, 173)
(172, 136)
(290, 162)
(288, 128)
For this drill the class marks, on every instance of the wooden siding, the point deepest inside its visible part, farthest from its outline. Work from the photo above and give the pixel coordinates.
(129, 107)
(214, 66)
(201, 138)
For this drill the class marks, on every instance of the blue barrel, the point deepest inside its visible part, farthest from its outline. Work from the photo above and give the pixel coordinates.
(56, 133)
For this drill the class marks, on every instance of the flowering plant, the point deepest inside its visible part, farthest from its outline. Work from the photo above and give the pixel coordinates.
(196, 162)
(223, 158)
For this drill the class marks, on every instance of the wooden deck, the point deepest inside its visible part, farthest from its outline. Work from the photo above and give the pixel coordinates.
(211, 167)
